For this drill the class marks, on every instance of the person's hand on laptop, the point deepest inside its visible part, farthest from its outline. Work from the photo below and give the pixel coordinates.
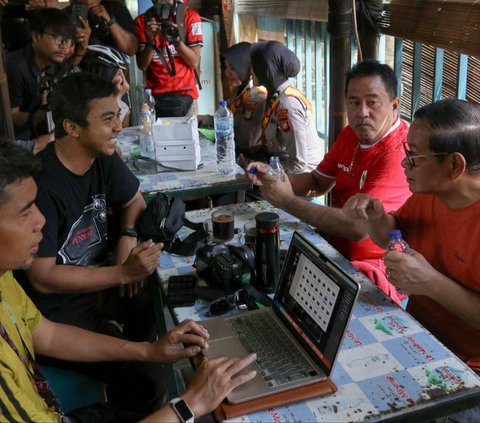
(166, 349)
(214, 379)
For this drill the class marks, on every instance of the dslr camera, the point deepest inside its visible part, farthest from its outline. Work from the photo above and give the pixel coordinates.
(168, 30)
(223, 266)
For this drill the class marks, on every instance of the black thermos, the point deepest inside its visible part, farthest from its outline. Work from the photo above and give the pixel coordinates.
(267, 256)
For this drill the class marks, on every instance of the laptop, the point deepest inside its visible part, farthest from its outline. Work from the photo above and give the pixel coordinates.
(297, 340)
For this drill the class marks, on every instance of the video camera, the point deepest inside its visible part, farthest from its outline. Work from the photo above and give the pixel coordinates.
(223, 266)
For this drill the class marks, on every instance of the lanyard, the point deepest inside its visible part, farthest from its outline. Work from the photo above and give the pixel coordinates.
(30, 364)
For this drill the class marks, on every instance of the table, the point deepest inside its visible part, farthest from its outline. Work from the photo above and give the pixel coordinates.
(389, 368)
(186, 185)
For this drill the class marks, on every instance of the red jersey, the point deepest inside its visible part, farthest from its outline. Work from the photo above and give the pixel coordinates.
(370, 169)
(157, 77)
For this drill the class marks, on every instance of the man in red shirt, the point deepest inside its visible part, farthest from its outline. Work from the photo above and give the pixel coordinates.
(169, 61)
(366, 158)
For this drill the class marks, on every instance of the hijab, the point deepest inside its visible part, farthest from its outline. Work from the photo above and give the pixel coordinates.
(239, 58)
(273, 63)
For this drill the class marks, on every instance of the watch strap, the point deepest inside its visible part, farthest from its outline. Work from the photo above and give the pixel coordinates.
(130, 232)
(182, 410)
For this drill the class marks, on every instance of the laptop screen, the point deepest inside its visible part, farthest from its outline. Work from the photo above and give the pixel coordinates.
(315, 299)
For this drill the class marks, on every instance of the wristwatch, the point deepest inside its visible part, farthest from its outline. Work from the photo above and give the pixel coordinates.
(111, 21)
(130, 232)
(182, 410)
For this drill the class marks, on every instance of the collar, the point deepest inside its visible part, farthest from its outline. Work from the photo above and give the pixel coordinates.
(394, 126)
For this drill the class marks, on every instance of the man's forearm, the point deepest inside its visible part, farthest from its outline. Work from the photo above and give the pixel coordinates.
(190, 55)
(75, 344)
(145, 56)
(328, 220)
(124, 40)
(68, 279)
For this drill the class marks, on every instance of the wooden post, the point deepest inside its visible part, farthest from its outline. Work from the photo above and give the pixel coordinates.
(340, 28)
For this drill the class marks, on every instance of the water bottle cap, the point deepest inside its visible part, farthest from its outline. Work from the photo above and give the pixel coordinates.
(396, 233)
(274, 159)
(223, 103)
(144, 111)
(148, 91)
(266, 220)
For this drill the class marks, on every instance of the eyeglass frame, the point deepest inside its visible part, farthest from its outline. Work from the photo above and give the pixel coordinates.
(69, 42)
(411, 157)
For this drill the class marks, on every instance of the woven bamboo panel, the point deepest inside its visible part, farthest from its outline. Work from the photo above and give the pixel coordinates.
(315, 10)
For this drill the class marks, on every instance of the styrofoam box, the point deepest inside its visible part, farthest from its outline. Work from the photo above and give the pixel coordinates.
(175, 128)
(177, 142)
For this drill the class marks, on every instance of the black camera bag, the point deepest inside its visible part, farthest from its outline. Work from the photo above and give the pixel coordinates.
(163, 218)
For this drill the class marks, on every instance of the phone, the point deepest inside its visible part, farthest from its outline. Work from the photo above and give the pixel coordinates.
(180, 290)
(79, 10)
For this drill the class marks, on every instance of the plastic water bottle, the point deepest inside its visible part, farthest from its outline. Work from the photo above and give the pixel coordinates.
(147, 145)
(396, 242)
(275, 168)
(150, 102)
(224, 139)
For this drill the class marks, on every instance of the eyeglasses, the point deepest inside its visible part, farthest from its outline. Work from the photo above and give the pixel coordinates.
(228, 303)
(411, 157)
(60, 39)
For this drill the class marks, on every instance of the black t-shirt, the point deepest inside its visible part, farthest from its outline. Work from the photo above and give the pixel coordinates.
(100, 33)
(24, 82)
(77, 211)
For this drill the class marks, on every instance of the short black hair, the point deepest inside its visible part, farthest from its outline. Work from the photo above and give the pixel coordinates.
(373, 68)
(53, 20)
(456, 128)
(71, 97)
(16, 163)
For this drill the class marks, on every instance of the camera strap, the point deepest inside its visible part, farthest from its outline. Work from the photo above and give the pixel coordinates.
(190, 244)
(170, 67)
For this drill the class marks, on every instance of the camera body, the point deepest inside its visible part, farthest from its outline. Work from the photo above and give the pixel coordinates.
(223, 266)
(168, 30)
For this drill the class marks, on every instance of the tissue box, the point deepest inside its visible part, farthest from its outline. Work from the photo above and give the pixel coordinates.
(177, 142)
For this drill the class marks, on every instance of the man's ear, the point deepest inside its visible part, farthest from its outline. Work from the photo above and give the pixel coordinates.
(71, 128)
(396, 104)
(458, 165)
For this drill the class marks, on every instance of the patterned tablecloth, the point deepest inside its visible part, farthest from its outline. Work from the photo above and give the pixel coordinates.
(204, 181)
(389, 365)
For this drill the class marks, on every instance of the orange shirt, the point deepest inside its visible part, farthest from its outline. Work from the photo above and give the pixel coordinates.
(450, 241)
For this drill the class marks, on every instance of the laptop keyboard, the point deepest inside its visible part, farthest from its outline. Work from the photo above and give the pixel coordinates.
(278, 359)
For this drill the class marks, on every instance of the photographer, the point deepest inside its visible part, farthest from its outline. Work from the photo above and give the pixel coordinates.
(110, 21)
(168, 59)
(32, 70)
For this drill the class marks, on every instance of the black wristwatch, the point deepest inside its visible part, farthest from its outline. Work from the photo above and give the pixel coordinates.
(182, 410)
(111, 21)
(130, 232)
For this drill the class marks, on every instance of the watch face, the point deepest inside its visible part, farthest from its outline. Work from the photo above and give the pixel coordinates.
(183, 410)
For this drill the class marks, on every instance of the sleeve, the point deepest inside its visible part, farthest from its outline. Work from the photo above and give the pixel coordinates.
(292, 121)
(123, 17)
(328, 167)
(193, 23)
(140, 29)
(27, 144)
(15, 81)
(122, 184)
(50, 208)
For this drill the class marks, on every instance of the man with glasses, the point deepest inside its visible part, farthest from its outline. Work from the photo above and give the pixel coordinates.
(365, 158)
(440, 223)
(32, 70)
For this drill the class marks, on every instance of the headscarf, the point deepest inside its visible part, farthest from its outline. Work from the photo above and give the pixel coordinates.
(239, 58)
(273, 63)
